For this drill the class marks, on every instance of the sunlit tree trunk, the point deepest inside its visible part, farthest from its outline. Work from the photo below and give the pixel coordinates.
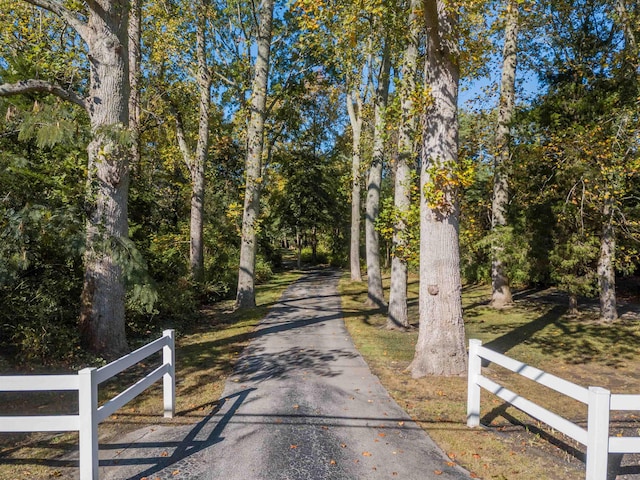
(197, 167)
(372, 241)
(501, 292)
(354, 107)
(397, 315)
(102, 318)
(631, 43)
(197, 160)
(255, 142)
(134, 81)
(440, 349)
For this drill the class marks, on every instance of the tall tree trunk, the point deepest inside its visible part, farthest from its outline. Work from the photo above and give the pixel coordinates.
(573, 304)
(197, 168)
(606, 269)
(197, 160)
(372, 242)
(299, 247)
(631, 43)
(501, 292)
(104, 30)
(354, 107)
(102, 316)
(134, 82)
(440, 349)
(397, 315)
(255, 142)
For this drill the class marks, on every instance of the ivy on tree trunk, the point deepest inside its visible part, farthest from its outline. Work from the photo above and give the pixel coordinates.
(397, 315)
(440, 349)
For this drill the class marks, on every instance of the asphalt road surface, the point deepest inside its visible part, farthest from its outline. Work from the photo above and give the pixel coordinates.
(302, 404)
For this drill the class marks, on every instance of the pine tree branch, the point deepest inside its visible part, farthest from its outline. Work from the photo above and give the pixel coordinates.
(64, 13)
(28, 86)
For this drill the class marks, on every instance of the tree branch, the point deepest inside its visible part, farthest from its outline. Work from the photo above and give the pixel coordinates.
(225, 79)
(28, 86)
(181, 137)
(64, 13)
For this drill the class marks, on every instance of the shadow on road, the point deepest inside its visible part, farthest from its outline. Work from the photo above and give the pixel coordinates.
(184, 448)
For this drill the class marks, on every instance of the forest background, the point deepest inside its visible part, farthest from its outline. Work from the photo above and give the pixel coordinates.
(264, 126)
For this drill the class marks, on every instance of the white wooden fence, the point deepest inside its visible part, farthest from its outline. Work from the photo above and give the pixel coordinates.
(89, 413)
(600, 403)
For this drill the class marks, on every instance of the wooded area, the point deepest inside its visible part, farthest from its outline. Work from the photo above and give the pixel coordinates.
(159, 156)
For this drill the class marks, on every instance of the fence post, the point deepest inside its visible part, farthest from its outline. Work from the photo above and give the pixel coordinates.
(87, 410)
(473, 390)
(598, 433)
(169, 378)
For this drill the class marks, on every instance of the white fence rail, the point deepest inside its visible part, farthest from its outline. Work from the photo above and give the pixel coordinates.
(600, 403)
(86, 384)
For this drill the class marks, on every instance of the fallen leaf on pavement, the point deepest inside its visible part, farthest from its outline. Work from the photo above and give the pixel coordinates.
(366, 454)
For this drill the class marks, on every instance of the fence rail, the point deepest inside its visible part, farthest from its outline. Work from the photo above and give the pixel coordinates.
(86, 383)
(600, 403)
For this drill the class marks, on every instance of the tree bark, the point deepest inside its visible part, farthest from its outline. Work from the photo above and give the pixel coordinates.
(102, 316)
(197, 168)
(134, 82)
(573, 304)
(375, 292)
(255, 141)
(397, 315)
(299, 248)
(501, 292)
(631, 44)
(354, 107)
(606, 269)
(440, 349)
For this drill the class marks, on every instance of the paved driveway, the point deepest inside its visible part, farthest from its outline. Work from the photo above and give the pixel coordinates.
(301, 405)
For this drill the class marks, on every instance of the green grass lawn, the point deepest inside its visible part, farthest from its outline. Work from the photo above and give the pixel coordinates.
(536, 331)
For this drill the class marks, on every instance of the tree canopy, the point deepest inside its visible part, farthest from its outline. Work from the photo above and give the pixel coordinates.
(137, 188)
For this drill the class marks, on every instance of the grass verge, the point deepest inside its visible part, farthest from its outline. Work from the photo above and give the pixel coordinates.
(536, 331)
(205, 356)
